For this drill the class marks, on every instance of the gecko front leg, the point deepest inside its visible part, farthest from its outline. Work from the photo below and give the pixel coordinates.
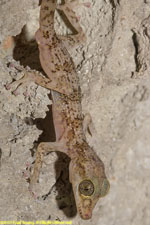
(45, 82)
(42, 150)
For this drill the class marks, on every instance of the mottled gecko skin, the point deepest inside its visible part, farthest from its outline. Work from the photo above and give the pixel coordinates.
(86, 170)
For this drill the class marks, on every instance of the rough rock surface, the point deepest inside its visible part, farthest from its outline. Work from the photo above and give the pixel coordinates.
(114, 68)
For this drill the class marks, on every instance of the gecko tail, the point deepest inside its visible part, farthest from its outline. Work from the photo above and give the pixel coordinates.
(47, 15)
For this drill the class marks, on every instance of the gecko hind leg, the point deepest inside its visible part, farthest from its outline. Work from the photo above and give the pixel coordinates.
(33, 76)
(74, 20)
(43, 148)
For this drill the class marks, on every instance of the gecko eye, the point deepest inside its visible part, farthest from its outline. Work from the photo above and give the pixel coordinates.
(105, 188)
(86, 188)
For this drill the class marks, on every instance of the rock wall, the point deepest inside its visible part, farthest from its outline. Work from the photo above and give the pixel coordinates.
(113, 67)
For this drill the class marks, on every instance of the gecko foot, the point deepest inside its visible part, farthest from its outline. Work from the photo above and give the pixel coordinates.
(33, 186)
(33, 193)
(27, 172)
(24, 83)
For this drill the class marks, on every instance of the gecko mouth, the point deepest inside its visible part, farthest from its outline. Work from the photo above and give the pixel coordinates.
(86, 215)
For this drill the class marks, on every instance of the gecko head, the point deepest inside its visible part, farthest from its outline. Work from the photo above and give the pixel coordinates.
(89, 184)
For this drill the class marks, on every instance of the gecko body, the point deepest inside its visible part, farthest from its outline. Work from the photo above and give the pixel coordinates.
(86, 170)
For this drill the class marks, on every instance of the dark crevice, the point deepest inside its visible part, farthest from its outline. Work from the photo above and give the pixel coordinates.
(136, 45)
(0, 156)
(47, 126)
(63, 188)
(65, 198)
(26, 52)
(114, 6)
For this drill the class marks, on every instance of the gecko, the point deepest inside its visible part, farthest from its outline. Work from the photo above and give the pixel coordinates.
(86, 169)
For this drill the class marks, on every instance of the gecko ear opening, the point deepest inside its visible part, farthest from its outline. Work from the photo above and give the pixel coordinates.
(105, 188)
